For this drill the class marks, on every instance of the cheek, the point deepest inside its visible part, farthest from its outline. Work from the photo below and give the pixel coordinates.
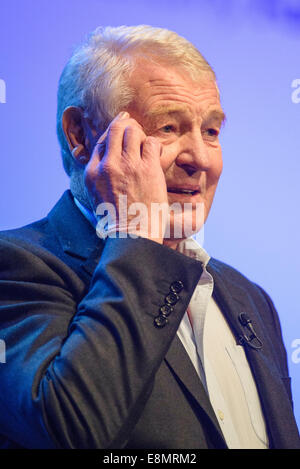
(216, 166)
(168, 156)
(169, 167)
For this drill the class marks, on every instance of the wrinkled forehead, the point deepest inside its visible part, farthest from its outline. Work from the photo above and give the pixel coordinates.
(148, 71)
(160, 90)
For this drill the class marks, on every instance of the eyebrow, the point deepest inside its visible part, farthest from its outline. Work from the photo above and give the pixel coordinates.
(217, 115)
(163, 110)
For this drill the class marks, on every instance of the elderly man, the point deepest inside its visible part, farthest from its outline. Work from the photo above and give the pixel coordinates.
(137, 338)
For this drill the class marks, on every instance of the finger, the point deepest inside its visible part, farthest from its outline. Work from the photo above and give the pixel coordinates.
(120, 117)
(114, 137)
(100, 145)
(152, 149)
(133, 141)
(102, 137)
(101, 141)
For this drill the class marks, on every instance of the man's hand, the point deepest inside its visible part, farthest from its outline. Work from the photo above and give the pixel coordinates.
(125, 162)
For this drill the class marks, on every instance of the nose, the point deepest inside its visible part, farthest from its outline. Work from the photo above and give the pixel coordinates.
(193, 154)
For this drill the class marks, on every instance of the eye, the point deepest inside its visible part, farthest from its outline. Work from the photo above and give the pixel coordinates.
(168, 128)
(211, 133)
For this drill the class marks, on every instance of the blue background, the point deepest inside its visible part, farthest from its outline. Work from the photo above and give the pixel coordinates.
(254, 48)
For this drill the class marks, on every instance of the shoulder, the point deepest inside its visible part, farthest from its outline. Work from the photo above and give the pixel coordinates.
(248, 292)
(36, 238)
(33, 254)
(244, 289)
(31, 233)
(43, 234)
(231, 275)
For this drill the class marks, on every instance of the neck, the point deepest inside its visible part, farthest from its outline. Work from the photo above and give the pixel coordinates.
(172, 243)
(79, 191)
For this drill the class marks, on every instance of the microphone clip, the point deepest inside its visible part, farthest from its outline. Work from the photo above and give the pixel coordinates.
(251, 339)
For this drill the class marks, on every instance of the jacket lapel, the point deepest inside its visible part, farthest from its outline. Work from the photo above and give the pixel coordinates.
(277, 410)
(180, 364)
(77, 237)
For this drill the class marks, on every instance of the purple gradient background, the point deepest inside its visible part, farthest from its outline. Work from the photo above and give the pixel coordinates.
(253, 46)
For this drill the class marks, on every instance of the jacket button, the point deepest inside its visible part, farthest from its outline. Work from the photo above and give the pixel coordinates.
(177, 286)
(166, 310)
(160, 321)
(172, 298)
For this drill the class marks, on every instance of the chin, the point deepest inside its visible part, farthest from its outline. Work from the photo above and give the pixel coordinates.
(183, 224)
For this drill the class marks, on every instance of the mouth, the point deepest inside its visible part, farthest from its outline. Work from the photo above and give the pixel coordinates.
(183, 191)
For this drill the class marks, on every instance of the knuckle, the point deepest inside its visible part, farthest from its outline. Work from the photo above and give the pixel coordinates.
(116, 126)
(100, 148)
(134, 130)
(151, 146)
(135, 123)
(89, 177)
(107, 167)
(127, 166)
(130, 130)
(151, 140)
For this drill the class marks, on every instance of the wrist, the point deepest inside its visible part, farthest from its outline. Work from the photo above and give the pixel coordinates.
(124, 231)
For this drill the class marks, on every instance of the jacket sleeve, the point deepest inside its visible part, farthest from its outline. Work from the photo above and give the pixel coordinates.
(79, 370)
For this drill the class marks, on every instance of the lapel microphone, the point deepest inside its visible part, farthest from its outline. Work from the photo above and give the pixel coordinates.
(252, 340)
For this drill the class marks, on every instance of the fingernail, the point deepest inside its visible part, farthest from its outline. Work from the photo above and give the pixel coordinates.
(123, 115)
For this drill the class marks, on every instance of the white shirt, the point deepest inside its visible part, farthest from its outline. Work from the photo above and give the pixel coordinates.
(220, 363)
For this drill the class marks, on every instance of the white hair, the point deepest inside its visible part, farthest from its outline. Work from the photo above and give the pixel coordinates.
(96, 78)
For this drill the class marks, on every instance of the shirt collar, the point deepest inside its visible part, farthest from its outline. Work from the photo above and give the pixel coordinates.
(89, 215)
(191, 248)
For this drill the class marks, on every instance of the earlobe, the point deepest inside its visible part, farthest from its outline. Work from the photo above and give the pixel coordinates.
(79, 155)
(72, 124)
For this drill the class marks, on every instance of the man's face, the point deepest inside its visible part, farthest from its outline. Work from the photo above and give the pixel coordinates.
(186, 117)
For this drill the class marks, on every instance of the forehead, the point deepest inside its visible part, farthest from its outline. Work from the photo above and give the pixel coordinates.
(160, 90)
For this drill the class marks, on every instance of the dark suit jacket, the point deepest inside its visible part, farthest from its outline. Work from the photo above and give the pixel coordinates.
(86, 367)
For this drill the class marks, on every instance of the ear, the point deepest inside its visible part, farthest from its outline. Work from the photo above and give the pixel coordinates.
(75, 129)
